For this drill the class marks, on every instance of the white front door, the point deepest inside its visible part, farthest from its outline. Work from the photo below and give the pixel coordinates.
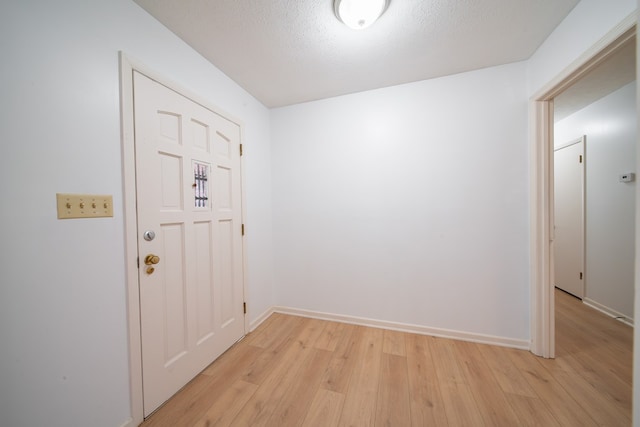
(569, 218)
(189, 237)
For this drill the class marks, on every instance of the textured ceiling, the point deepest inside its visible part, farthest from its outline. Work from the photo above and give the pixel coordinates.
(290, 51)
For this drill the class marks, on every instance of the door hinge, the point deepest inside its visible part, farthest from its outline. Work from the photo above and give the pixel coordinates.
(242, 229)
(244, 307)
(241, 149)
(580, 158)
(581, 275)
(138, 262)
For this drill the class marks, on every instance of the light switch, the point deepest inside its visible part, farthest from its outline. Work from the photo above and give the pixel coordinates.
(84, 205)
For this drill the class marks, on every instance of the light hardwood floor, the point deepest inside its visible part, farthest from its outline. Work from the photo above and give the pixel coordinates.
(294, 371)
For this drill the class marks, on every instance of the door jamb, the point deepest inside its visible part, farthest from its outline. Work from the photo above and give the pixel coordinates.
(130, 239)
(541, 176)
(127, 65)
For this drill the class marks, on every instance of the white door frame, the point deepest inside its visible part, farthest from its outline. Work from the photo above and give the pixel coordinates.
(127, 66)
(541, 192)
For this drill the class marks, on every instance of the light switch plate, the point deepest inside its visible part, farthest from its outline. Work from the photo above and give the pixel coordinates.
(84, 205)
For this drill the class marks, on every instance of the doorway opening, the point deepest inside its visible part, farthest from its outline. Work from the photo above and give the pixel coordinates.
(542, 191)
(600, 109)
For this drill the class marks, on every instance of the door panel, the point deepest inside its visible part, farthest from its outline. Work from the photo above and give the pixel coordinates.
(188, 193)
(569, 218)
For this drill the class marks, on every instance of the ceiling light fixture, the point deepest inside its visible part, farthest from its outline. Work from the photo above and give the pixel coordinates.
(359, 14)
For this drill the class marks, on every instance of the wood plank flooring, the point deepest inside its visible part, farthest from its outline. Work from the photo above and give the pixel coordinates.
(294, 371)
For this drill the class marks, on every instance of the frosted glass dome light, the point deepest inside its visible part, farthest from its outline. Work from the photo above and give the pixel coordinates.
(359, 14)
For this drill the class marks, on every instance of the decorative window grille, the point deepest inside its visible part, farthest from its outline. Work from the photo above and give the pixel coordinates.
(201, 176)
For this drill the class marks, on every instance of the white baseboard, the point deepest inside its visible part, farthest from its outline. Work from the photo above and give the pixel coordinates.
(129, 423)
(258, 321)
(608, 311)
(402, 327)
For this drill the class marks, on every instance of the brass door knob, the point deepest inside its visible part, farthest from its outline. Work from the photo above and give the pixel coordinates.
(151, 259)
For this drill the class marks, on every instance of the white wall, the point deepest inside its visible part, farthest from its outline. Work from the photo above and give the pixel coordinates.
(62, 295)
(636, 331)
(408, 204)
(610, 126)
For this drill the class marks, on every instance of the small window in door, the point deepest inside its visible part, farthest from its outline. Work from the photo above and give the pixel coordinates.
(200, 184)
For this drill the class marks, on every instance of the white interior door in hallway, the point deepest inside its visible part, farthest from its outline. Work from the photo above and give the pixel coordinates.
(189, 237)
(569, 211)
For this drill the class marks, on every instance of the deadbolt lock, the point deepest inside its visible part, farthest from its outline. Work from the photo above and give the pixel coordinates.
(151, 259)
(150, 270)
